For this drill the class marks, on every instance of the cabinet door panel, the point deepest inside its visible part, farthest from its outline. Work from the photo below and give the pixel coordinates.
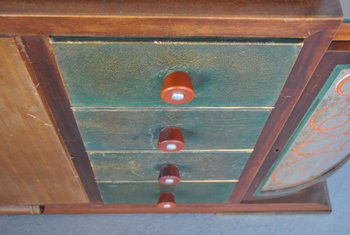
(34, 166)
(320, 143)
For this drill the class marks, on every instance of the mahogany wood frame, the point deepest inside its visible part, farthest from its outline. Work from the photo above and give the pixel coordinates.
(337, 53)
(313, 199)
(315, 21)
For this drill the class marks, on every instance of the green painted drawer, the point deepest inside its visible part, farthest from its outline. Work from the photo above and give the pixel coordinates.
(147, 193)
(145, 166)
(139, 129)
(116, 72)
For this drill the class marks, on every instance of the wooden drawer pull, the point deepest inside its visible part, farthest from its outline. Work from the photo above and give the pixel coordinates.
(166, 200)
(169, 175)
(177, 88)
(171, 140)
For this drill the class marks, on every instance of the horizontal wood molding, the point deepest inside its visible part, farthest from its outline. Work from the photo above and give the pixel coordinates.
(198, 8)
(226, 18)
(314, 199)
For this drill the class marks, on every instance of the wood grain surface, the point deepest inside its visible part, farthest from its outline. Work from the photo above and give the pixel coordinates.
(314, 199)
(34, 166)
(254, 18)
(343, 33)
(38, 55)
(199, 8)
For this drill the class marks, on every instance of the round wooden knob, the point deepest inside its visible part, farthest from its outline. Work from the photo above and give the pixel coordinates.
(169, 175)
(171, 140)
(166, 200)
(177, 88)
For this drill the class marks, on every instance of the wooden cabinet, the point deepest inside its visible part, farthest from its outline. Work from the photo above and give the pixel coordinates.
(96, 71)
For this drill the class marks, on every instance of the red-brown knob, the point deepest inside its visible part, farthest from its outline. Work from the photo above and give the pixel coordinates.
(169, 175)
(166, 200)
(177, 88)
(171, 140)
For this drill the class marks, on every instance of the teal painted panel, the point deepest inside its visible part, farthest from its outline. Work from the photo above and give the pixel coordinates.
(147, 193)
(145, 166)
(130, 73)
(321, 141)
(131, 130)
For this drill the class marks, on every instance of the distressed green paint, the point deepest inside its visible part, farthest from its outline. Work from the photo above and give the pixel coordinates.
(147, 193)
(145, 166)
(316, 146)
(130, 73)
(131, 130)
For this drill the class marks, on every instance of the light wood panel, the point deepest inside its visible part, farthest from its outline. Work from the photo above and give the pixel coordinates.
(34, 166)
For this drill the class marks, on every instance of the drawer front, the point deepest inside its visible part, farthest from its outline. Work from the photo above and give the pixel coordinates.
(118, 167)
(147, 193)
(139, 130)
(131, 73)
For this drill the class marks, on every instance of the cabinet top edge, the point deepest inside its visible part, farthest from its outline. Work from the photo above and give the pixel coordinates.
(289, 9)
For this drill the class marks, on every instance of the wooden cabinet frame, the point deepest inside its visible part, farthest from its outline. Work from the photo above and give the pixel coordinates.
(314, 21)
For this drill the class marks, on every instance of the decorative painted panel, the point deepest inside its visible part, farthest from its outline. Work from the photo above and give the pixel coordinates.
(138, 129)
(125, 72)
(322, 139)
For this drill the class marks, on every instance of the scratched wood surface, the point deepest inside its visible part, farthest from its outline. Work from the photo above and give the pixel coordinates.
(253, 18)
(199, 8)
(34, 166)
(139, 129)
(322, 139)
(143, 166)
(147, 193)
(100, 72)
